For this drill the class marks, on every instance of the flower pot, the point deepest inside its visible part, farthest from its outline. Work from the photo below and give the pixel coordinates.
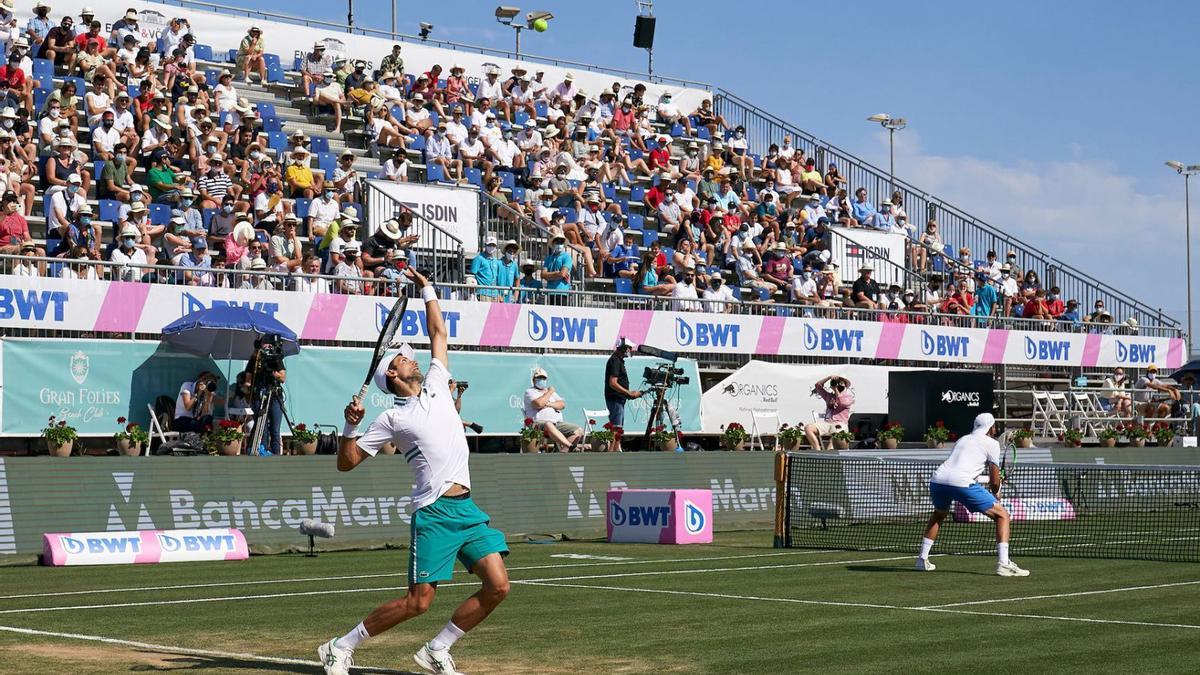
(791, 445)
(531, 445)
(230, 449)
(840, 444)
(59, 449)
(736, 447)
(930, 443)
(668, 445)
(1024, 442)
(890, 443)
(1137, 442)
(304, 447)
(128, 448)
(598, 446)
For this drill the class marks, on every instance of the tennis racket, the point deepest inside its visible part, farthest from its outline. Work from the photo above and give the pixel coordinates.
(1008, 462)
(385, 342)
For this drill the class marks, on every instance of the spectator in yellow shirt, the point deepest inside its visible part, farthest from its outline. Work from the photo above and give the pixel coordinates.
(250, 55)
(302, 182)
(715, 161)
(811, 179)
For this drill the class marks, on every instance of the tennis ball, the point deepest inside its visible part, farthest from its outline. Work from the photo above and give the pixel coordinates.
(540, 25)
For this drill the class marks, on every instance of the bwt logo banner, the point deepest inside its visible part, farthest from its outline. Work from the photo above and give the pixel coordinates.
(833, 339)
(642, 516)
(1047, 350)
(124, 543)
(945, 345)
(209, 543)
(706, 334)
(190, 303)
(561, 328)
(30, 305)
(693, 517)
(413, 323)
(1133, 352)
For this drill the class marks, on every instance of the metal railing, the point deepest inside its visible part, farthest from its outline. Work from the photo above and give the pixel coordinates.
(955, 225)
(221, 277)
(436, 251)
(429, 42)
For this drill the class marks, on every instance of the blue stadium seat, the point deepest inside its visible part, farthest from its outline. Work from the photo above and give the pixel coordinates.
(39, 97)
(301, 208)
(277, 140)
(764, 294)
(434, 173)
(297, 62)
(637, 221)
(518, 194)
(43, 71)
(702, 134)
(266, 110)
(231, 56)
(211, 76)
(206, 217)
(541, 108)
(635, 154)
(271, 124)
(416, 142)
(751, 193)
(669, 252)
(652, 143)
(569, 213)
(648, 236)
(272, 60)
(677, 130)
(110, 210)
(507, 180)
(623, 285)
(474, 177)
(319, 144)
(202, 52)
(520, 117)
(637, 193)
(609, 190)
(134, 91)
(737, 291)
(160, 214)
(275, 74)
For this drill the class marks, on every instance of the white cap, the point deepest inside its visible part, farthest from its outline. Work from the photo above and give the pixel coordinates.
(984, 422)
(538, 372)
(380, 377)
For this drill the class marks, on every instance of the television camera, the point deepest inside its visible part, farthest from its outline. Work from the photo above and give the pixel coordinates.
(661, 379)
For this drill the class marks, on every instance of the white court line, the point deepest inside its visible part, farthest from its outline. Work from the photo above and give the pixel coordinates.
(1062, 595)
(169, 649)
(832, 603)
(396, 574)
(266, 596)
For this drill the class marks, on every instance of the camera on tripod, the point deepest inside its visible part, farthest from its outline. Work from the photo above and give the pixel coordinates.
(270, 360)
(664, 375)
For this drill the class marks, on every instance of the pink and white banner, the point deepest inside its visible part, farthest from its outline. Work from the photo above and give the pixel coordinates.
(142, 546)
(122, 307)
(660, 516)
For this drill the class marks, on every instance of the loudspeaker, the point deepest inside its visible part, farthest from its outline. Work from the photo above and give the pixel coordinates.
(643, 32)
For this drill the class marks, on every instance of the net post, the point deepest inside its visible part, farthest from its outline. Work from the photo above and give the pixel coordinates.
(781, 499)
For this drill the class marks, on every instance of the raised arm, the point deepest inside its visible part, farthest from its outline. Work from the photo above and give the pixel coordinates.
(435, 323)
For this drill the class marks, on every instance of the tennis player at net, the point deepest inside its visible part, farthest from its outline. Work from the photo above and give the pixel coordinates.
(446, 523)
(955, 481)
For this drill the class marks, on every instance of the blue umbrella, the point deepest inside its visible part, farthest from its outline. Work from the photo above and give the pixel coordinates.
(228, 332)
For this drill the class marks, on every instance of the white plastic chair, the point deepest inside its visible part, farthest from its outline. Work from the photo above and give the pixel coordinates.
(590, 416)
(757, 431)
(156, 429)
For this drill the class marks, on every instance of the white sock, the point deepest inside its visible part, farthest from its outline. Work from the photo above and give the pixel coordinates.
(356, 635)
(926, 545)
(446, 639)
(1002, 551)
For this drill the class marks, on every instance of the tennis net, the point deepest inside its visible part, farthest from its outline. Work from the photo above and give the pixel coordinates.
(1062, 510)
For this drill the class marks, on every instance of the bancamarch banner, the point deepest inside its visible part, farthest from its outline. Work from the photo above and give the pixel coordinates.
(788, 391)
(91, 383)
(265, 500)
(122, 307)
(453, 209)
(288, 40)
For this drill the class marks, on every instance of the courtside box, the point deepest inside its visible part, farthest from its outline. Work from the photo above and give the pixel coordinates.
(142, 546)
(660, 516)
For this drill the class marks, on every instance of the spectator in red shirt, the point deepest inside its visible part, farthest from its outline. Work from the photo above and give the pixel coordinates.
(14, 229)
(959, 302)
(660, 157)
(1054, 303)
(17, 82)
(1036, 307)
(778, 268)
(653, 197)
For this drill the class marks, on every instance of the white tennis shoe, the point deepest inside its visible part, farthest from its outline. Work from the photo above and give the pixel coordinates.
(436, 661)
(1010, 569)
(336, 660)
(923, 565)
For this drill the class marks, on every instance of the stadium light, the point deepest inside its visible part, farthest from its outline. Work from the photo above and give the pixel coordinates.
(892, 124)
(1187, 172)
(536, 21)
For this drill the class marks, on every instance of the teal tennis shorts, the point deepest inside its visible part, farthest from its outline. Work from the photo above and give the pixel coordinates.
(451, 527)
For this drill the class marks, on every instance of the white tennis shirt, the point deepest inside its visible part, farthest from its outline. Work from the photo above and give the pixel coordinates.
(428, 431)
(971, 455)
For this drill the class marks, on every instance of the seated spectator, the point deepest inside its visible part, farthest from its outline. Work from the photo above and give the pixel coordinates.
(286, 251)
(384, 250)
(199, 265)
(707, 118)
(1054, 303)
(331, 93)
(237, 242)
(960, 301)
(255, 252)
(648, 281)
(28, 267)
(864, 294)
(717, 296)
(839, 398)
(349, 274)
(684, 297)
(544, 406)
(861, 209)
(1114, 395)
(250, 55)
(127, 253)
(440, 150)
(14, 229)
(76, 266)
(1071, 313)
(912, 303)
(746, 264)
(313, 68)
(1036, 307)
(347, 233)
(195, 403)
(301, 181)
(310, 281)
(1147, 386)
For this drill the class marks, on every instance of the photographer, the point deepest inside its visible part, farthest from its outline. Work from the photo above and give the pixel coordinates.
(545, 406)
(616, 389)
(838, 400)
(268, 375)
(194, 404)
(457, 391)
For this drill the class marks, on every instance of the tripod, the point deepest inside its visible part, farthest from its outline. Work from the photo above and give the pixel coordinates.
(264, 398)
(665, 413)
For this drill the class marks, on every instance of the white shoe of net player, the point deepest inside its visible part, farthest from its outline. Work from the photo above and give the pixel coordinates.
(436, 661)
(923, 565)
(337, 661)
(1010, 569)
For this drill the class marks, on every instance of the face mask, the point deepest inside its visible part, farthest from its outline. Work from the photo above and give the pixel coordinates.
(227, 210)
(120, 157)
(55, 112)
(693, 153)
(546, 203)
(539, 383)
(128, 242)
(559, 248)
(329, 194)
(85, 220)
(256, 155)
(72, 189)
(508, 257)
(508, 135)
(490, 249)
(186, 202)
(8, 124)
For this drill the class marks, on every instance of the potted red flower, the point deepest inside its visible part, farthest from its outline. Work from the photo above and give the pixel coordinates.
(891, 435)
(601, 439)
(790, 437)
(304, 440)
(532, 436)
(131, 439)
(60, 437)
(663, 440)
(226, 438)
(734, 436)
(936, 435)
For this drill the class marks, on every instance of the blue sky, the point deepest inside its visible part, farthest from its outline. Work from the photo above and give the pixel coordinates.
(1050, 120)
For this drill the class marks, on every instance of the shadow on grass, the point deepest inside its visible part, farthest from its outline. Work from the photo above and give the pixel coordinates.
(224, 664)
(903, 569)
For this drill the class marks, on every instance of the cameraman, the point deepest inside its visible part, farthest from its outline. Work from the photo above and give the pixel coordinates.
(268, 373)
(616, 389)
(194, 404)
(457, 391)
(838, 399)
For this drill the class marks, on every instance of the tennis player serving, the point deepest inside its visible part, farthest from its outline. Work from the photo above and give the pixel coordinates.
(446, 523)
(954, 480)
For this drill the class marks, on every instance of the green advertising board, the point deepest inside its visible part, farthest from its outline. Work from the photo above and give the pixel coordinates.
(267, 498)
(93, 382)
